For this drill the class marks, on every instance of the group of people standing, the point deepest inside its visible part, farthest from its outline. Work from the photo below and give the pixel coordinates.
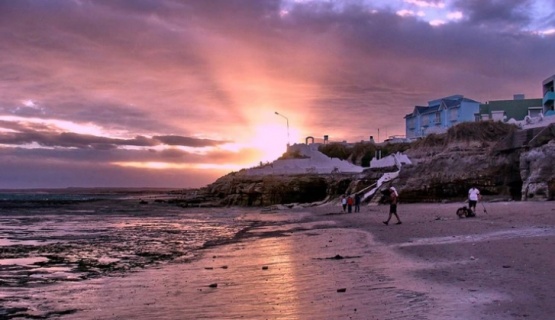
(347, 202)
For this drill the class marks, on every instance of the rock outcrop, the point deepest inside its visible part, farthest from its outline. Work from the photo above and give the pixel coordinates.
(247, 190)
(504, 162)
(537, 166)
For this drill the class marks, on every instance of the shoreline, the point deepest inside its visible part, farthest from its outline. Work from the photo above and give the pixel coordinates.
(433, 266)
(318, 263)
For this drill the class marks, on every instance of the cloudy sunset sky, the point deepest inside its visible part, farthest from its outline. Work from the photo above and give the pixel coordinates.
(176, 93)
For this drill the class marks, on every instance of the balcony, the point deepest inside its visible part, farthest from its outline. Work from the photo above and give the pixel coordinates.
(549, 97)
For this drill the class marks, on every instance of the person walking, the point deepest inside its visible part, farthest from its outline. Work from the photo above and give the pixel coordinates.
(350, 202)
(473, 197)
(357, 202)
(393, 200)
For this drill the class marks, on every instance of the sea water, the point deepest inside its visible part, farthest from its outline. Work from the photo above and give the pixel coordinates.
(49, 239)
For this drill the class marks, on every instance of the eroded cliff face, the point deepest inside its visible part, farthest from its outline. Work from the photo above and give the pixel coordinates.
(447, 172)
(503, 162)
(245, 190)
(537, 169)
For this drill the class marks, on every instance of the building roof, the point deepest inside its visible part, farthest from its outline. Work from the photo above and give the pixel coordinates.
(451, 103)
(469, 100)
(435, 105)
(430, 109)
(416, 110)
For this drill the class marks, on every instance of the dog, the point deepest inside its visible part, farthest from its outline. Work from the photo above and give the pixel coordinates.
(465, 212)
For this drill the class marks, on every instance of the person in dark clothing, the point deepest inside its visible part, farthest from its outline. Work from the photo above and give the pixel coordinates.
(357, 202)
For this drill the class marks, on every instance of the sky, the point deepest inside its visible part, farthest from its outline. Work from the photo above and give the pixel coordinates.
(176, 93)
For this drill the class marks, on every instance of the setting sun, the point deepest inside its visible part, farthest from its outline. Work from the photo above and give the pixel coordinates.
(272, 140)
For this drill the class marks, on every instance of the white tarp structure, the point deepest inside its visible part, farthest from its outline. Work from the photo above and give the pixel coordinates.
(315, 162)
(398, 160)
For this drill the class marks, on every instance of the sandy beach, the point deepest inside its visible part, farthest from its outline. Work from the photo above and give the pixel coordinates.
(318, 263)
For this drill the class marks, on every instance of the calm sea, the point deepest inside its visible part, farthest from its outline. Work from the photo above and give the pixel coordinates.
(52, 238)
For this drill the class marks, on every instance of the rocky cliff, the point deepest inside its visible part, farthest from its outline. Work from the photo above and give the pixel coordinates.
(502, 161)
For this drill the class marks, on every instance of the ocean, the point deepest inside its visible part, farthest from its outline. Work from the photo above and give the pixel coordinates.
(133, 254)
(52, 239)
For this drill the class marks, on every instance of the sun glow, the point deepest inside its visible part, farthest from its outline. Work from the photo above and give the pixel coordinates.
(272, 140)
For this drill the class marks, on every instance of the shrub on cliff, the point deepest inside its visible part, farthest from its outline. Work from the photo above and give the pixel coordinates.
(482, 131)
(362, 152)
(336, 150)
(296, 154)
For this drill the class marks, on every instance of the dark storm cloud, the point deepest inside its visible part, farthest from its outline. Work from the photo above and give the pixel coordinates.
(70, 140)
(187, 141)
(508, 13)
(84, 141)
(94, 156)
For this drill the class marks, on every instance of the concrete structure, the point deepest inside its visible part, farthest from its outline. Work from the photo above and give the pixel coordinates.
(439, 115)
(318, 163)
(504, 110)
(315, 162)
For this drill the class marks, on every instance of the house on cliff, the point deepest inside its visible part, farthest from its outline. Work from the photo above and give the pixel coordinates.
(522, 112)
(439, 115)
(548, 89)
(503, 110)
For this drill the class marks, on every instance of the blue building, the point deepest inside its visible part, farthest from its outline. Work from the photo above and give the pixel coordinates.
(548, 96)
(439, 115)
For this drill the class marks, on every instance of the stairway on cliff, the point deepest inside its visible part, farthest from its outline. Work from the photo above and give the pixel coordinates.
(522, 138)
(543, 136)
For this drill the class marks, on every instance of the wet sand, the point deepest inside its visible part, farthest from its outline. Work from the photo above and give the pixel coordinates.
(326, 265)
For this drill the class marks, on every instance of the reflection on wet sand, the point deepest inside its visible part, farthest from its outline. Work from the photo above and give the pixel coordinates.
(319, 274)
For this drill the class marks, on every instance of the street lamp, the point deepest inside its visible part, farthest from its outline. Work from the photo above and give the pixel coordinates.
(287, 126)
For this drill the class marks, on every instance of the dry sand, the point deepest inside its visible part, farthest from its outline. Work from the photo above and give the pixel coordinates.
(498, 265)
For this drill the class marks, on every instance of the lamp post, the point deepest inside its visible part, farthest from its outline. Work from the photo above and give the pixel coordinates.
(287, 126)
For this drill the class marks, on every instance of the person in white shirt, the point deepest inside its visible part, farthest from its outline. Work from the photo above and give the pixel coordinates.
(473, 197)
(344, 203)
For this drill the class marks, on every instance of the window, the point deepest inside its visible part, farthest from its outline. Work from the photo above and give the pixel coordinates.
(438, 117)
(535, 112)
(425, 121)
(498, 115)
(411, 123)
(453, 114)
